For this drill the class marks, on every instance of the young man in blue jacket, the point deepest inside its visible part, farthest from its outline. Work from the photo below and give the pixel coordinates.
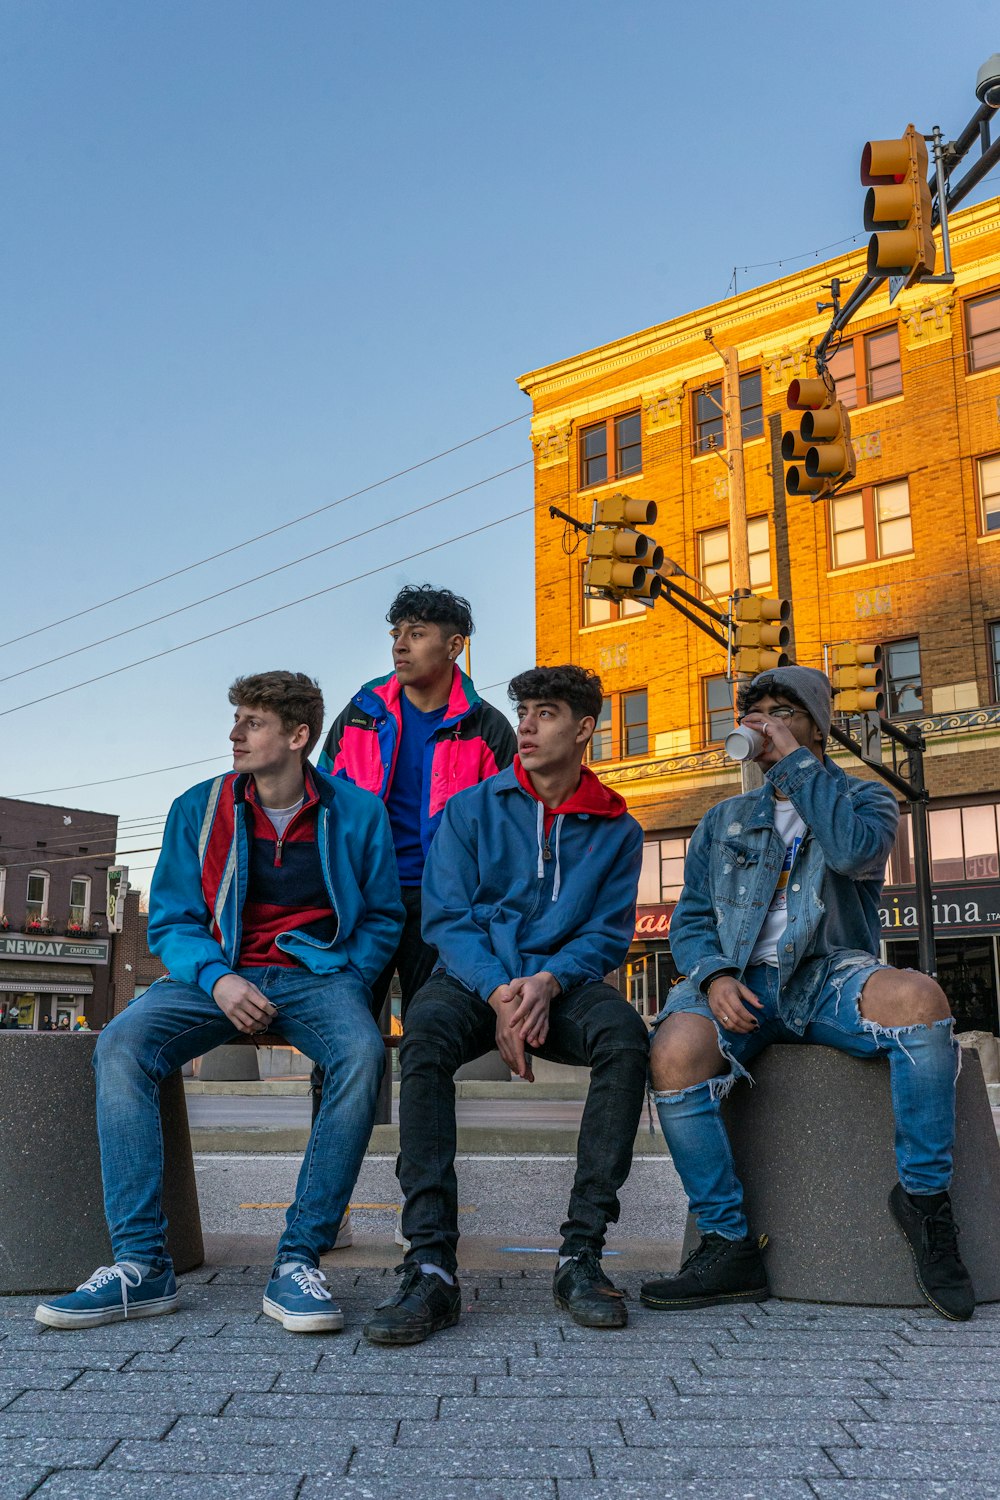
(777, 932)
(529, 897)
(275, 901)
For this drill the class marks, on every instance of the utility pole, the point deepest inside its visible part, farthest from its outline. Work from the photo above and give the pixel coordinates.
(751, 775)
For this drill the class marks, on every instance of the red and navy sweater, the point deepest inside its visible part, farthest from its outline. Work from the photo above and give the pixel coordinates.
(285, 887)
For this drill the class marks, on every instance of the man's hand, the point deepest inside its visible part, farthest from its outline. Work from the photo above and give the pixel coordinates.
(244, 1004)
(728, 999)
(509, 1043)
(534, 994)
(779, 740)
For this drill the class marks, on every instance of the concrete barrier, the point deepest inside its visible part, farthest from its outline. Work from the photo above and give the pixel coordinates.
(52, 1229)
(813, 1145)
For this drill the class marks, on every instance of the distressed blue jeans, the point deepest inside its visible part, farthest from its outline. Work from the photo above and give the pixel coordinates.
(923, 1067)
(328, 1017)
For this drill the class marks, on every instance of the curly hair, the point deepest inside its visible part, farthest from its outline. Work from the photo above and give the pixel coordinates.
(764, 686)
(576, 686)
(431, 606)
(293, 696)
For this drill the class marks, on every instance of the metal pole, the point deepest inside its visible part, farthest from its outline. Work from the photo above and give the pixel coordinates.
(942, 196)
(751, 776)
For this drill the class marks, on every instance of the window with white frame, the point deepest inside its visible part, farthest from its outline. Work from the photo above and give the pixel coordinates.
(989, 493)
(37, 904)
(870, 523)
(713, 556)
(79, 900)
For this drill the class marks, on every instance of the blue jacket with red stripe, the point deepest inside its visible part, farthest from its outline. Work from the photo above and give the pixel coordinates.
(200, 883)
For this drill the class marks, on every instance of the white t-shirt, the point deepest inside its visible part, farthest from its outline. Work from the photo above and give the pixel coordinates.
(280, 817)
(792, 830)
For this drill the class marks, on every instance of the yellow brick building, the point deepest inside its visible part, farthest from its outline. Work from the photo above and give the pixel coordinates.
(909, 557)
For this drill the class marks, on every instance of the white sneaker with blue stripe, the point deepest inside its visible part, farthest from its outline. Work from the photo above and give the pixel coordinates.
(298, 1298)
(111, 1295)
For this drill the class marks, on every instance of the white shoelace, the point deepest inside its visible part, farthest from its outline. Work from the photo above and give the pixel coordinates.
(119, 1273)
(312, 1282)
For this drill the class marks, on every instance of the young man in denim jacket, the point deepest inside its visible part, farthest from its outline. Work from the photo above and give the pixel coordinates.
(777, 932)
(529, 897)
(275, 900)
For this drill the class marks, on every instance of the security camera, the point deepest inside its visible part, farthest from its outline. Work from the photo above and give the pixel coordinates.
(988, 81)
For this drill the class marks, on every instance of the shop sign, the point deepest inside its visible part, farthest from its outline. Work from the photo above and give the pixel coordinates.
(653, 921)
(67, 950)
(957, 908)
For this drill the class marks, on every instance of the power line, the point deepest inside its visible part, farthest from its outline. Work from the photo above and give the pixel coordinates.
(270, 572)
(261, 536)
(267, 613)
(78, 786)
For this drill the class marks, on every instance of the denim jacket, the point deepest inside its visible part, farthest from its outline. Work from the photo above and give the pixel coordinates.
(735, 858)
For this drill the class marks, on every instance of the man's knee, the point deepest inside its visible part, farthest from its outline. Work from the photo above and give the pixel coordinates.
(437, 1020)
(685, 1052)
(903, 997)
(616, 1026)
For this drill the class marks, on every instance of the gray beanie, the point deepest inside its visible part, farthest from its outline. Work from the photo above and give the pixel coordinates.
(807, 685)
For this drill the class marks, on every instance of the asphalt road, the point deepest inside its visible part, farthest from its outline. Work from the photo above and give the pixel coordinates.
(215, 1110)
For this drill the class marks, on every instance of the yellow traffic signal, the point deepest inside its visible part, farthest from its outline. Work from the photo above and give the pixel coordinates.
(759, 633)
(623, 562)
(898, 207)
(820, 453)
(858, 679)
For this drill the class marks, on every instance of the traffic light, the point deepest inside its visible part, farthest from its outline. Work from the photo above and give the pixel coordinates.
(622, 561)
(759, 633)
(898, 207)
(858, 679)
(819, 453)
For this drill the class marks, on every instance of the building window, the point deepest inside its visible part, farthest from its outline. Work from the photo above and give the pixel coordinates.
(37, 905)
(870, 523)
(717, 704)
(600, 745)
(79, 900)
(603, 611)
(982, 332)
(619, 436)
(709, 427)
(883, 370)
(994, 640)
(3, 889)
(662, 876)
(867, 368)
(635, 723)
(713, 556)
(988, 474)
(904, 690)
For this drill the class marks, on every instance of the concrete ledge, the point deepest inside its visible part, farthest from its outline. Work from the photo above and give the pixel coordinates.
(464, 1089)
(473, 1140)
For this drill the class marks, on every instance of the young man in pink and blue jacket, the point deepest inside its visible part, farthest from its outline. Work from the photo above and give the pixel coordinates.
(275, 902)
(415, 738)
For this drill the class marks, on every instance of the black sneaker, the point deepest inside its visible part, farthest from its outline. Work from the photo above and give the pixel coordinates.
(933, 1240)
(581, 1288)
(423, 1304)
(717, 1270)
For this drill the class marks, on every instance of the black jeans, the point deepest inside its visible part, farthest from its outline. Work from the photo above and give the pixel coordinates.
(446, 1026)
(413, 961)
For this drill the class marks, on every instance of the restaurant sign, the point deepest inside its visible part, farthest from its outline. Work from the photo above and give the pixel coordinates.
(652, 922)
(66, 950)
(956, 909)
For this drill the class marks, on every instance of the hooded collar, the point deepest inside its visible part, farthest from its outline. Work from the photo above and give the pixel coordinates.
(462, 697)
(591, 796)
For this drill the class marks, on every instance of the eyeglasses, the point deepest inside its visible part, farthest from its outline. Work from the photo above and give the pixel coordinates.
(782, 712)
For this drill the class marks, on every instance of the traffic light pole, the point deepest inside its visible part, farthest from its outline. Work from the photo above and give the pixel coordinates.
(914, 789)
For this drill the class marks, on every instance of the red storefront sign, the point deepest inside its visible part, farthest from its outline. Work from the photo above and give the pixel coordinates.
(653, 921)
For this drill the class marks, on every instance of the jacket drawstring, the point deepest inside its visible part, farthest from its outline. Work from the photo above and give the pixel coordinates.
(557, 877)
(540, 826)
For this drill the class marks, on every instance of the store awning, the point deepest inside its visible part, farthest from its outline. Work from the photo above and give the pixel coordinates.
(45, 979)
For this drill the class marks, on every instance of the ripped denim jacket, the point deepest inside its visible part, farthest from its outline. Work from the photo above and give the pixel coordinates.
(735, 858)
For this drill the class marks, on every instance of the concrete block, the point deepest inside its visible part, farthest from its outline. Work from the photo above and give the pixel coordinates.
(229, 1064)
(813, 1145)
(985, 1043)
(50, 1166)
(490, 1068)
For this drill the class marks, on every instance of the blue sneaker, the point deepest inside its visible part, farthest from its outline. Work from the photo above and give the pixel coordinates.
(299, 1300)
(111, 1295)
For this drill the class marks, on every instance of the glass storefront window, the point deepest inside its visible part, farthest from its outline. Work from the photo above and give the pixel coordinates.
(966, 973)
(947, 858)
(979, 832)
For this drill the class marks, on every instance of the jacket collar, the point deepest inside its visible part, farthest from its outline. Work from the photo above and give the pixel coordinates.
(762, 801)
(384, 693)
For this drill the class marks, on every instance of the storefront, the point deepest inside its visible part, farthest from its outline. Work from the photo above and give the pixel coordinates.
(51, 981)
(967, 946)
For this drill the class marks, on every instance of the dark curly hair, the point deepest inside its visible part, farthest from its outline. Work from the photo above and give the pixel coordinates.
(420, 601)
(764, 686)
(576, 686)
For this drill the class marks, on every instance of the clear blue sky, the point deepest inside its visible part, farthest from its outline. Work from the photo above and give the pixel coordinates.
(257, 256)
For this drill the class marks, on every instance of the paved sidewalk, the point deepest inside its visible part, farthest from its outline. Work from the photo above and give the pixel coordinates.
(516, 1403)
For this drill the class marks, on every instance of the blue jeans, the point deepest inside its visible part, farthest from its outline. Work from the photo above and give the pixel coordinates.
(923, 1066)
(327, 1017)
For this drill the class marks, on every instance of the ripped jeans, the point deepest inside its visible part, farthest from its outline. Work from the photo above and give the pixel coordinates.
(923, 1066)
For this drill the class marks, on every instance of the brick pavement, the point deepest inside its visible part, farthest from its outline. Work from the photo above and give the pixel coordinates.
(777, 1402)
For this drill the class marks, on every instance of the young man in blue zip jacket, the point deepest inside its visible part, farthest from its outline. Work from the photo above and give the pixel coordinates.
(415, 738)
(275, 901)
(529, 896)
(777, 932)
